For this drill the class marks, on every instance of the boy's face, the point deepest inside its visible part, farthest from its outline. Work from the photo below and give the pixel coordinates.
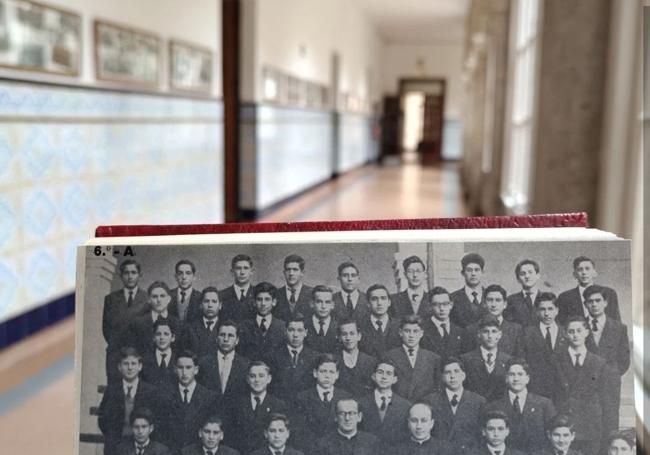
(130, 276)
(264, 303)
(620, 447)
(227, 339)
(442, 306)
(242, 272)
(411, 335)
(414, 274)
(326, 375)
(293, 274)
(489, 336)
(384, 376)
(186, 370)
(129, 368)
(184, 276)
(561, 438)
(349, 279)
(495, 432)
(420, 422)
(472, 274)
(453, 376)
(596, 304)
(348, 416)
(210, 305)
(296, 334)
(585, 273)
(211, 435)
(495, 303)
(142, 430)
(527, 276)
(159, 299)
(277, 434)
(258, 378)
(547, 312)
(517, 378)
(349, 336)
(577, 333)
(322, 304)
(163, 337)
(379, 302)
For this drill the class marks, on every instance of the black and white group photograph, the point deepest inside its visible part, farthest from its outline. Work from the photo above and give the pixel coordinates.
(358, 348)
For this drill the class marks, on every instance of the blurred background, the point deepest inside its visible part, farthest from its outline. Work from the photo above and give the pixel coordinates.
(211, 111)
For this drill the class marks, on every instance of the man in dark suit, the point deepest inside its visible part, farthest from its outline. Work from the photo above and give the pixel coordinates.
(495, 428)
(159, 365)
(529, 414)
(572, 302)
(210, 435)
(418, 369)
(225, 371)
(120, 308)
(237, 301)
(263, 332)
(347, 439)
(142, 425)
(420, 422)
(538, 343)
(186, 301)
(379, 331)
(415, 298)
(486, 365)
(441, 335)
(294, 298)
(495, 304)
(322, 328)
(349, 302)
(521, 305)
(468, 300)
(200, 335)
(560, 434)
(122, 397)
(456, 411)
(355, 367)
(384, 411)
(277, 433)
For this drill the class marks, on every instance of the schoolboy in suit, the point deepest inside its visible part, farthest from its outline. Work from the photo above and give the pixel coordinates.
(185, 304)
(322, 327)
(142, 425)
(379, 331)
(495, 428)
(560, 434)
(350, 302)
(159, 366)
(384, 411)
(276, 433)
(486, 365)
(415, 298)
(572, 302)
(263, 332)
(200, 335)
(440, 334)
(418, 369)
(355, 366)
(120, 308)
(529, 414)
(468, 300)
(294, 297)
(237, 300)
(420, 442)
(496, 304)
(521, 305)
(210, 436)
(122, 397)
(347, 439)
(456, 411)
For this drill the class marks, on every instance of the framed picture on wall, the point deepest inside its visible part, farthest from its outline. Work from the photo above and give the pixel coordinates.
(190, 67)
(127, 55)
(38, 37)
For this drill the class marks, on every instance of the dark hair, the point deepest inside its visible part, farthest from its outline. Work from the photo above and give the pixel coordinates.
(259, 363)
(559, 421)
(129, 351)
(451, 359)
(472, 258)
(495, 414)
(164, 322)
(410, 319)
(580, 259)
(346, 265)
(495, 288)
(628, 435)
(212, 418)
(412, 260)
(488, 321)
(526, 262)
(241, 258)
(326, 358)
(298, 317)
(376, 287)
(185, 262)
(210, 289)
(438, 290)
(321, 288)
(229, 323)
(187, 354)
(594, 289)
(295, 258)
(278, 417)
(386, 361)
(265, 287)
(518, 361)
(142, 413)
(130, 262)
(347, 321)
(576, 318)
(545, 297)
(159, 284)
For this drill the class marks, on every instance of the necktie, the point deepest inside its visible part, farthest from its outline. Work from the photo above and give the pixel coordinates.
(257, 404)
(548, 339)
(577, 362)
(475, 299)
(222, 375)
(515, 405)
(183, 293)
(128, 391)
(321, 329)
(292, 297)
(326, 398)
(208, 325)
(263, 325)
(497, 452)
(348, 305)
(454, 400)
(594, 325)
(489, 358)
(186, 398)
(411, 351)
(277, 452)
(444, 330)
(380, 324)
(294, 356)
(129, 301)
(162, 365)
(139, 450)
(528, 299)
(383, 405)
(241, 295)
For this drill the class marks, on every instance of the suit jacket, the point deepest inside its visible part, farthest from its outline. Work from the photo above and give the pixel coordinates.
(287, 451)
(587, 394)
(193, 311)
(334, 444)
(415, 383)
(288, 379)
(519, 311)
(491, 386)
(155, 375)
(483, 450)
(454, 344)
(392, 429)
(510, 334)
(464, 311)
(246, 431)
(360, 312)
(401, 305)
(255, 344)
(614, 345)
(528, 429)
(282, 308)
(198, 339)
(197, 449)
(209, 375)
(460, 430)
(117, 314)
(375, 343)
(356, 380)
(569, 303)
(328, 343)
(432, 446)
(316, 417)
(127, 447)
(552, 452)
(139, 333)
(234, 309)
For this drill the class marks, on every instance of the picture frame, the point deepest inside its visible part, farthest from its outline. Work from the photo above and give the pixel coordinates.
(190, 67)
(40, 38)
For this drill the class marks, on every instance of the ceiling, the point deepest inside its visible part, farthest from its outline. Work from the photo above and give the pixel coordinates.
(418, 21)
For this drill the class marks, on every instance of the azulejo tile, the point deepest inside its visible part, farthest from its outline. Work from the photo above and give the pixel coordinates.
(8, 223)
(38, 152)
(6, 154)
(39, 213)
(73, 149)
(42, 274)
(75, 206)
(8, 288)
